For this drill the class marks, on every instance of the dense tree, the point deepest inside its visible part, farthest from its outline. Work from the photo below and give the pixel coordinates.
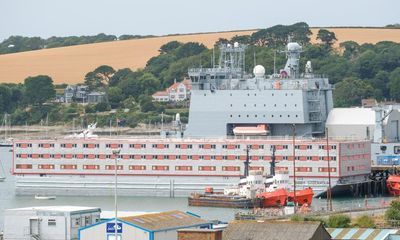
(5, 99)
(119, 75)
(350, 92)
(394, 84)
(278, 35)
(105, 72)
(189, 49)
(149, 83)
(351, 49)
(115, 96)
(38, 89)
(93, 81)
(327, 38)
(19, 44)
(100, 77)
(169, 47)
(243, 39)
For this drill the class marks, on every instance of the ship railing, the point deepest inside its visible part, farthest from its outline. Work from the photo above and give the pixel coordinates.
(202, 139)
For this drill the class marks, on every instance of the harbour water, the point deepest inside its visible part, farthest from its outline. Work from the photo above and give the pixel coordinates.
(141, 204)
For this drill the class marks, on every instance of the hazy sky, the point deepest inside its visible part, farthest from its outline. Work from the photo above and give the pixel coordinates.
(87, 17)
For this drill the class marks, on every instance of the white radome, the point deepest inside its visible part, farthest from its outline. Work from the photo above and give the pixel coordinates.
(259, 71)
(293, 46)
(236, 44)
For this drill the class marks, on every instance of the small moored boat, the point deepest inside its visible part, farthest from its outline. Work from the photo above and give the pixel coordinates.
(43, 197)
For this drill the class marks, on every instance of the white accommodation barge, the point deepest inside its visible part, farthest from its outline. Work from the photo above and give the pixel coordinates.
(227, 105)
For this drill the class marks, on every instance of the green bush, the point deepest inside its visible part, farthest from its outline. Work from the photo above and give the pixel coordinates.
(392, 215)
(296, 218)
(102, 107)
(90, 108)
(338, 221)
(365, 221)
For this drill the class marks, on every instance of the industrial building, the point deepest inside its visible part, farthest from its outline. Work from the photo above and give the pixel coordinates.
(200, 234)
(48, 223)
(156, 226)
(272, 230)
(379, 124)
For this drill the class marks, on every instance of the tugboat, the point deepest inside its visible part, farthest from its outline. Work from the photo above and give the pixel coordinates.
(242, 195)
(393, 185)
(255, 190)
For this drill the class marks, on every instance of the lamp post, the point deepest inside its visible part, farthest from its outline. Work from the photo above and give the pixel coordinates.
(329, 192)
(116, 154)
(294, 166)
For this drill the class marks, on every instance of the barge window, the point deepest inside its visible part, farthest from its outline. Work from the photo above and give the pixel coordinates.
(51, 222)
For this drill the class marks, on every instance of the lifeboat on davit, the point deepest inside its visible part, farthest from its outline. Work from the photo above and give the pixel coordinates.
(276, 198)
(303, 196)
(259, 130)
(393, 185)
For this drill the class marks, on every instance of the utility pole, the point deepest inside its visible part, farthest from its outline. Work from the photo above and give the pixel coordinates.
(247, 162)
(294, 166)
(329, 191)
(116, 155)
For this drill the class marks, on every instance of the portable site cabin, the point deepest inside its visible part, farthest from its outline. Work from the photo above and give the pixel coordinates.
(48, 223)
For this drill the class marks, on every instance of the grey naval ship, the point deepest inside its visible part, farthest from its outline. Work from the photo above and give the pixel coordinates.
(230, 111)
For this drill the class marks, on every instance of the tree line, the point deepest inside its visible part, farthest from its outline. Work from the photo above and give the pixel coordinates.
(357, 72)
(15, 44)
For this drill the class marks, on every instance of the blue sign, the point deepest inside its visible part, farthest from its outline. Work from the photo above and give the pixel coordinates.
(388, 160)
(111, 227)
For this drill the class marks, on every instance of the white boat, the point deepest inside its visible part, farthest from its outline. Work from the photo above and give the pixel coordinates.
(43, 197)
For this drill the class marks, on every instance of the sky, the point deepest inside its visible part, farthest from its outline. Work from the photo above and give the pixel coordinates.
(47, 18)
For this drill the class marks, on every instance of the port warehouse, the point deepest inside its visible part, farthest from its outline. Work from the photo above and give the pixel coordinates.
(156, 226)
(184, 160)
(73, 222)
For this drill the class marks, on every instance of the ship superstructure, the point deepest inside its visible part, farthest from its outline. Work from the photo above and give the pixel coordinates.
(228, 107)
(224, 98)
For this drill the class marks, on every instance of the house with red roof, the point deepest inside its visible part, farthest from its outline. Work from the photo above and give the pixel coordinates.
(178, 91)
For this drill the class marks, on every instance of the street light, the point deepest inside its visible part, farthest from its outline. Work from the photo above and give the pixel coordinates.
(294, 166)
(329, 192)
(116, 155)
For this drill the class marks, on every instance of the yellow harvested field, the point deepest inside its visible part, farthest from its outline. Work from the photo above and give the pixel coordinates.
(70, 64)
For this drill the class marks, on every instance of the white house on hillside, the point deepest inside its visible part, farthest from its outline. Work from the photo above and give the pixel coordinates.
(179, 91)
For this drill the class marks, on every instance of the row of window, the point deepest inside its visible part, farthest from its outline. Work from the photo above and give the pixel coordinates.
(255, 115)
(132, 167)
(265, 105)
(166, 168)
(167, 146)
(172, 157)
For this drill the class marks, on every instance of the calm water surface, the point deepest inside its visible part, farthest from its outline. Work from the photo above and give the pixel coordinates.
(141, 204)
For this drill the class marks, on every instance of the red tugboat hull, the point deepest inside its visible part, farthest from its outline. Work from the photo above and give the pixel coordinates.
(276, 198)
(303, 196)
(393, 185)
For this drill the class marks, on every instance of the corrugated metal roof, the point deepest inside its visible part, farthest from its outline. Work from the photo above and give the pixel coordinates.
(351, 116)
(274, 230)
(165, 220)
(361, 233)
